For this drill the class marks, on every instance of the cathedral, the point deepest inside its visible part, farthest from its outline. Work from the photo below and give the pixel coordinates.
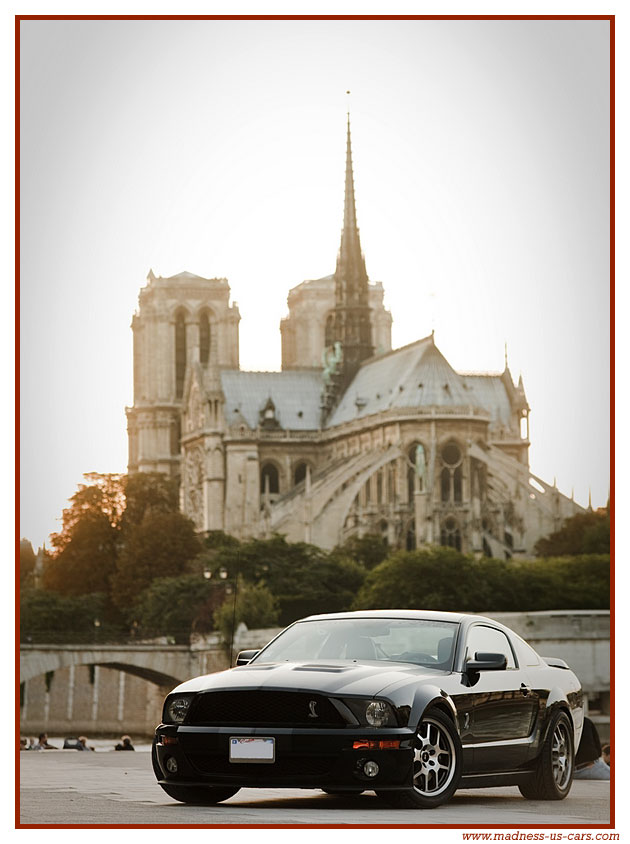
(351, 437)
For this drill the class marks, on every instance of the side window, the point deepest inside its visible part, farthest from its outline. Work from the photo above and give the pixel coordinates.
(488, 640)
(526, 654)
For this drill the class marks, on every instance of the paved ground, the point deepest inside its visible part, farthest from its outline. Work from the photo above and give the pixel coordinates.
(66, 787)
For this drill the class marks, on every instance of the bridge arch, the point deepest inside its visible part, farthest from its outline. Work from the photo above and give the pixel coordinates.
(165, 666)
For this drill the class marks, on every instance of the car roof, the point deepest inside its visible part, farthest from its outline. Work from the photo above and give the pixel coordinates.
(428, 615)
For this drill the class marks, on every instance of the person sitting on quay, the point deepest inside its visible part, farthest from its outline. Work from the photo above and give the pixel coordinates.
(589, 764)
(83, 745)
(43, 744)
(124, 744)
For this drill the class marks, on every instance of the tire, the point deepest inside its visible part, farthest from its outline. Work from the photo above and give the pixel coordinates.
(198, 794)
(553, 775)
(437, 765)
(201, 795)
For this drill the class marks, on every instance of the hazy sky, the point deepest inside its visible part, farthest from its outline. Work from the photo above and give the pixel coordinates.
(481, 155)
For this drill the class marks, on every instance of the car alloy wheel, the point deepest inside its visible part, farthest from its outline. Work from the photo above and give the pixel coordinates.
(552, 777)
(561, 755)
(437, 765)
(434, 758)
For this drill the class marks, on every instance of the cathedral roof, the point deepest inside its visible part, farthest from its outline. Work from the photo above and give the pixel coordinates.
(415, 376)
(295, 395)
(490, 393)
(418, 375)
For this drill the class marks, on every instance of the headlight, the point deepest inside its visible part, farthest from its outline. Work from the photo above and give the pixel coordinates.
(377, 713)
(176, 709)
(372, 713)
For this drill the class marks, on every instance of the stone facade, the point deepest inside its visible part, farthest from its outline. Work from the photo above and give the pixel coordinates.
(351, 437)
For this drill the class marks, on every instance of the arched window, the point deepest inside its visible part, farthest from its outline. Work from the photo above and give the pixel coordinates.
(457, 484)
(450, 535)
(451, 454)
(269, 479)
(445, 484)
(204, 337)
(180, 353)
(451, 476)
(299, 473)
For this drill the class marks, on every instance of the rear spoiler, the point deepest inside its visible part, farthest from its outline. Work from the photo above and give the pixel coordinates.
(555, 662)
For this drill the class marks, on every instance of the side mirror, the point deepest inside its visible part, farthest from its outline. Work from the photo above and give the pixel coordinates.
(486, 662)
(245, 656)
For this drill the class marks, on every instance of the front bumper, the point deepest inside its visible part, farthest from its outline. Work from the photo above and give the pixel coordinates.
(304, 758)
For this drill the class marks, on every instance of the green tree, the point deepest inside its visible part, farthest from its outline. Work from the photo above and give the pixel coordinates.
(584, 533)
(179, 606)
(103, 495)
(106, 523)
(368, 550)
(581, 582)
(214, 540)
(302, 578)
(438, 578)
(86, 557)
(251, 604)
(85, 549)
(27, 564)
(162, 545)
(147, 493)
(433, 578)
(49, 617)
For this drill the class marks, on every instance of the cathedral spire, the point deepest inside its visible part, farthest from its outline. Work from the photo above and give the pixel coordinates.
(350, 335)
(350, 243)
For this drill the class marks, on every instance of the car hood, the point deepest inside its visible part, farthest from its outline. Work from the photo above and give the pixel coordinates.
(331, 678)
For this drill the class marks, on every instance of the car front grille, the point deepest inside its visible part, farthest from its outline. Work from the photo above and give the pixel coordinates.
(264, 708)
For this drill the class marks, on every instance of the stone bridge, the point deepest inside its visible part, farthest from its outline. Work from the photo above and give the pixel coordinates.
(164, 665)
(158, 662)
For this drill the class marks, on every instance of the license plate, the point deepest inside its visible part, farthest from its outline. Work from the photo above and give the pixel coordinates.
(252, 749)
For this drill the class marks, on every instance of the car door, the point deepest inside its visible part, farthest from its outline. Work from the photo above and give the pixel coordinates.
(504, 705)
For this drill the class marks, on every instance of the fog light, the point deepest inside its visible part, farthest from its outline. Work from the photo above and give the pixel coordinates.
(370, 769)
(171, 765)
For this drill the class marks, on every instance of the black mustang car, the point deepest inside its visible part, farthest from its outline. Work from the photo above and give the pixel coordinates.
(410, 704)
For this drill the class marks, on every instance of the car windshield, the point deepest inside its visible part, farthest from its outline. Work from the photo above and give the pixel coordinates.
(418, 641)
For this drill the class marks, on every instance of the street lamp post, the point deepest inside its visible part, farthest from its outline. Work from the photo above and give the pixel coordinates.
(224, 575)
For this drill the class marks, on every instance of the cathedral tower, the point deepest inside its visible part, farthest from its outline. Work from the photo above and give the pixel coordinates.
(181, 320)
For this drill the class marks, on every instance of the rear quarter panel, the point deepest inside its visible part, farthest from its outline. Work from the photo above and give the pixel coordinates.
(557, 688)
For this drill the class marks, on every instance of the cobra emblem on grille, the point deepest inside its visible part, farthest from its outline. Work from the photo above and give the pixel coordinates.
(312, 711)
